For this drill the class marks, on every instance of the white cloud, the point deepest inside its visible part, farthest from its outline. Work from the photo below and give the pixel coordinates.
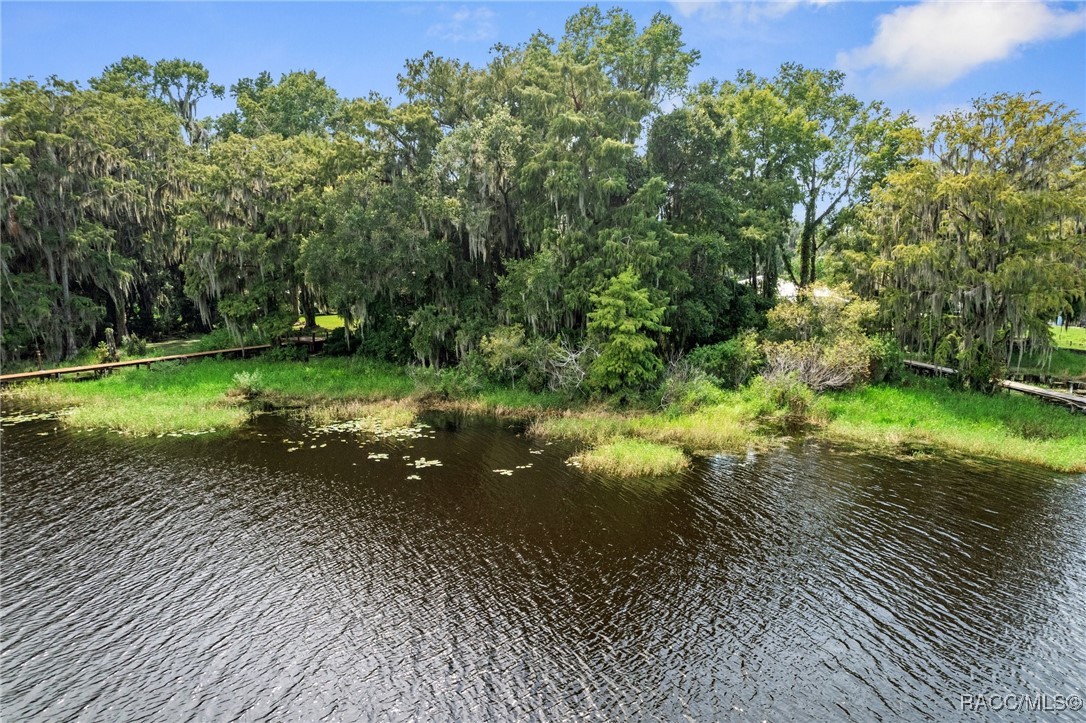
(464, 24)
(932, 44)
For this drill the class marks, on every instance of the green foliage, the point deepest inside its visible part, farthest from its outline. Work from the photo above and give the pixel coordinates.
(886, 358)
(224, 339)
(820, 338)
(624, 314)
(975, 249)
(537, 221)
(287, 352)
(101, 353)
(686, 388)
(134, 346)
(731, 363)
(248, 385)
(784, 402)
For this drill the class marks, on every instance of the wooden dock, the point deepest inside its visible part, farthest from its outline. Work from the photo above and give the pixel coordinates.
(99, 368)
(1075, 402)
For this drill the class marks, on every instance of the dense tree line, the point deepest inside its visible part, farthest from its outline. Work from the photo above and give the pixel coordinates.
(544, 197)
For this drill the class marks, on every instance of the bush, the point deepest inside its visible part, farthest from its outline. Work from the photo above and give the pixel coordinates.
(448, 383)
(505, 354)
(134, 346)
(821, 339)
(101, 353)
(840, 364)
(821, 313)
(886, 359)
(731, 363)
(248, 385)
(686, 388)
(783, 402)
(980, 367)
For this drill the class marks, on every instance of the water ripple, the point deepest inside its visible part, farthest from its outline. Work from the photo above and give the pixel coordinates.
(232, 579)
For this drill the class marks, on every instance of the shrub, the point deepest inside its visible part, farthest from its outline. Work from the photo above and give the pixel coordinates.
(507, 354)
(886, 359)
(731, 363)
(821, 338)
(504, 353)
(448, 383)
(783, 402)
(980, 367)
(134, 346)
(819, 312)
(248, 385)
(841, 364)
(686, 388)
(101, 353)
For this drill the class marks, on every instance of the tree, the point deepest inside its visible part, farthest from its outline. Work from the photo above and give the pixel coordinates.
(622, 317)
(178, 83)
(259, 201)
(845, 148)
(300, 103)
(89, 179)
(977, 247)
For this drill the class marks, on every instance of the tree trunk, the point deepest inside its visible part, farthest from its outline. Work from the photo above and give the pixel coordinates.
(307, 309)
(807, 251)
(120, 317)
(70, 343)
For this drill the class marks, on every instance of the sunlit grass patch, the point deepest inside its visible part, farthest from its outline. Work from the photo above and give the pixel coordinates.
(591, 426)
(927, 413)
(720, 428)
(157, 415)
(202, 395)
(632, 458)
(324, 321)
(1073, 337)
(730, 427)
(371, 416)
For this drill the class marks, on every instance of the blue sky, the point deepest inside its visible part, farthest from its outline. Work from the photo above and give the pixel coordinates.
(925, 57)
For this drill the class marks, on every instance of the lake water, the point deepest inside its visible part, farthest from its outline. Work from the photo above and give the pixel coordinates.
(232, 579)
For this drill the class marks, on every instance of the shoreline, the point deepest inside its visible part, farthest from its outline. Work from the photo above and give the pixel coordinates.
(914, 416)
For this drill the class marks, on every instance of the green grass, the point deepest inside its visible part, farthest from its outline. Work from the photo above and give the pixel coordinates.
(324, 321)
(728, 427)
(1064, 363)
(926, 414)
(1073, 337)
(172, 346)
(632, 458)
(174, 397)
(919, 414)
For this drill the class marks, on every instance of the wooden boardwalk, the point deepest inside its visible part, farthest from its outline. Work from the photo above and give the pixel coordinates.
(1076, 402)
(98, 368)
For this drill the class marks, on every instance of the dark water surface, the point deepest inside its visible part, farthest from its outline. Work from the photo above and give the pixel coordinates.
(199, 579)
